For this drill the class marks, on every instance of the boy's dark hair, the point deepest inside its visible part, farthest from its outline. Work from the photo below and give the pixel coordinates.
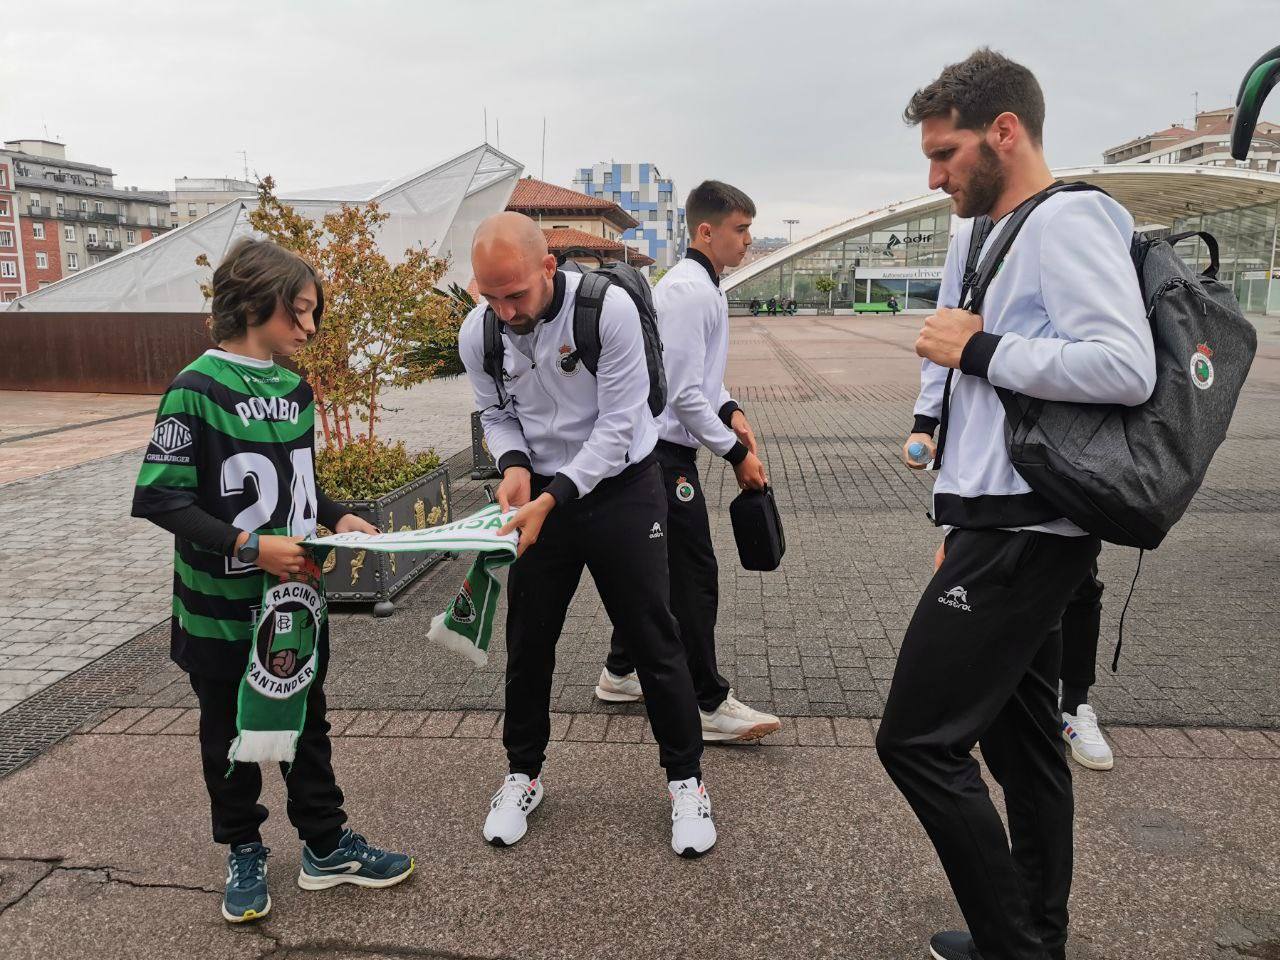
(711, 201)
(979, 89)
(251, 279)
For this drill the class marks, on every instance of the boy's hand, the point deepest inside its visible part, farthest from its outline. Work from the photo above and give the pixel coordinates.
(350, 523)
(528, 521)
(281, 556)
(939, 556)
(514, 490)
(738, 423)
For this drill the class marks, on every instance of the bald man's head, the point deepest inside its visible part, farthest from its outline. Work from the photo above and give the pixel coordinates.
(513, 269)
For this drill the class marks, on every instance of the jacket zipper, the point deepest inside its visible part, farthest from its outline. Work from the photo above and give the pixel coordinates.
(555, 407)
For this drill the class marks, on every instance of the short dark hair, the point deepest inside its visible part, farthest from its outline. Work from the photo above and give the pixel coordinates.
(978, 89)
(711, 201)
(251, 280)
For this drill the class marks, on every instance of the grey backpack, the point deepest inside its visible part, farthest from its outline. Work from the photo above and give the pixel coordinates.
(1127, 474)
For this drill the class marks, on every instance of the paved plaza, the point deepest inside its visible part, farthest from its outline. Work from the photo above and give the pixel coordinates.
(1179, 855)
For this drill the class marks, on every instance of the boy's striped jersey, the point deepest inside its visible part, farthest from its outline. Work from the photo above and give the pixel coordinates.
(234, 436)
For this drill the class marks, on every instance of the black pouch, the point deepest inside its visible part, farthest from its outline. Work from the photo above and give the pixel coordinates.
(757, 528)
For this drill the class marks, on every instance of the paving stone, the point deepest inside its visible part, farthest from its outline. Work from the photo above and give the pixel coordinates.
(1253, 744)
(404, 723)
(588, 727)
(122, 720)
(367, 723)
(476, 723)
(853, 732)
(1173, 743)
(441, 723)
(814, 732)
(156, 721)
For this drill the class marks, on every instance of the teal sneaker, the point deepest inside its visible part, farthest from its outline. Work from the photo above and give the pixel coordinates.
(355, 861)
(246, 897)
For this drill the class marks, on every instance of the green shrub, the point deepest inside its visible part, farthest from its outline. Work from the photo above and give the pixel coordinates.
(366, 471)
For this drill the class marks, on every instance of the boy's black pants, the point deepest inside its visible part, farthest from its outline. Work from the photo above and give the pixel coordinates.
(979, 666)
(315, 802)
(695, 578)
(619, 533)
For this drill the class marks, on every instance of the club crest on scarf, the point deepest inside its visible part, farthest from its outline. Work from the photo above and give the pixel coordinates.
(283, 660)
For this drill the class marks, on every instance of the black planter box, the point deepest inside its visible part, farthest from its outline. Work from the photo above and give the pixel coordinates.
(482, 465)
(368, 576)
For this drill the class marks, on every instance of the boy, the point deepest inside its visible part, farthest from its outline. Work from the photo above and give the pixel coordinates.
(230, 473)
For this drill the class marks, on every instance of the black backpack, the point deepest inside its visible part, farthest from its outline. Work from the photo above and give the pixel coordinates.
(588, 303)
(1127, 474)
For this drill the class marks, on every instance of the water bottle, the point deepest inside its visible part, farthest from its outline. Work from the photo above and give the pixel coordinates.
(919, 452)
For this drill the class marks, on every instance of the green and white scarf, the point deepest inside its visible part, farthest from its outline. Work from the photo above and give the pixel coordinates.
(284, 658)
(466, 626)
(283, 662)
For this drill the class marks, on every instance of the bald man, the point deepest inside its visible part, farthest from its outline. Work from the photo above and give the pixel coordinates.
(576, 453)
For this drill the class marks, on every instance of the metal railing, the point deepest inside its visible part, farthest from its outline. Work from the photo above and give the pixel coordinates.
(91, 216)
(35, 210)
(103, 246)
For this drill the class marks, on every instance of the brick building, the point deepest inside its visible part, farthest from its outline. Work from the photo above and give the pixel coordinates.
(576, 221)
(11, 265)
(70, 215)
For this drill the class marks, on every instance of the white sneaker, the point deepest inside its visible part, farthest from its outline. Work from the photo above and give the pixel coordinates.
(693, 832)
(508, 818)
(733, 720)
(614, 689)
(1088, 747)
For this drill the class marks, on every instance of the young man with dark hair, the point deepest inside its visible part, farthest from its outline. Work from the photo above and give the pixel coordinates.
(979, 665)
(230, 473)
(576, 455)
(693, 317)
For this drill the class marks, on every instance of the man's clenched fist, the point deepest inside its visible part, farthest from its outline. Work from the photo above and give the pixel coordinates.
(945, 334)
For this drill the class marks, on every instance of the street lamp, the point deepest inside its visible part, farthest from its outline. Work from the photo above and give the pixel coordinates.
(790, 224)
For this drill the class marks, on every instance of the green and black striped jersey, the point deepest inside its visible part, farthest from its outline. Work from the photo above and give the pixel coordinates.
(233, 436)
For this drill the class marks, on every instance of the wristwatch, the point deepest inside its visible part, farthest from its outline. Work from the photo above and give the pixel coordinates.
(248, 551)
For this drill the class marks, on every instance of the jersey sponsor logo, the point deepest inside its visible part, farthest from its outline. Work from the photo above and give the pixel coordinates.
(1202, 366)
(267, 408)
(956, 597)
(170, 435)
(656, 532)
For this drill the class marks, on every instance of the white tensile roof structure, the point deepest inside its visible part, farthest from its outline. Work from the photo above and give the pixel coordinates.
(438, 208)
(1156, 195)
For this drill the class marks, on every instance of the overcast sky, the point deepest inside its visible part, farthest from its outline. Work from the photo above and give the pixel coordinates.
(797, 102)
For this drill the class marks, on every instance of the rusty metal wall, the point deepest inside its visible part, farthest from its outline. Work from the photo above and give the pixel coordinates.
(97, 352)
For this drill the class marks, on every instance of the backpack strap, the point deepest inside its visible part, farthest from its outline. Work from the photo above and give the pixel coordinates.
(977, 277)
(990, 265)
(982, 227)
(494, 353)
(588, 304)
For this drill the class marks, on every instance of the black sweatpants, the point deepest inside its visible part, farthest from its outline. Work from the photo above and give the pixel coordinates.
(315, 802)
(695, 577)
(979, 666)
(619, 533)
(1081, 624)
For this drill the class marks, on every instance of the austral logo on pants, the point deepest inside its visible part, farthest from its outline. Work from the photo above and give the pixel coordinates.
(956, 597)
